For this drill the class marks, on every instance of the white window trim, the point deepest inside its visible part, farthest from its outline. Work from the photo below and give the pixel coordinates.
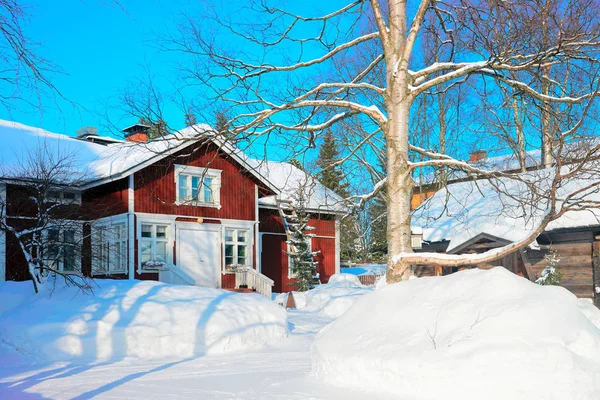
(170, 237)
(78, 227)
(106, 223)
(201, 172)
(61, 199)
(249, 227)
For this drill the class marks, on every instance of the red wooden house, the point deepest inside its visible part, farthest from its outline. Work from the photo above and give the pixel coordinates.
(187, 209)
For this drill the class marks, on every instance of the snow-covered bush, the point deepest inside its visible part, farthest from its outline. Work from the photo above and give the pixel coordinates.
(142, 319)
(551, 273)
(471, 335)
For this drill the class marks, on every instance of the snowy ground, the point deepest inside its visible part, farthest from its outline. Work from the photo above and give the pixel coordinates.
(276, 372)
(280, 371)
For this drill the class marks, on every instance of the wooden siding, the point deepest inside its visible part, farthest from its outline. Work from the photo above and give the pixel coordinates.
(106, 200)
(575, 266)
(155, 188)
(325, 258)
(274, 260)
(270, 221)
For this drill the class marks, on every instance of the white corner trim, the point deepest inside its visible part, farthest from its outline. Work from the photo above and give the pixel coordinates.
(337, 244)
(2, 234)
(257, 241)
(131, 227)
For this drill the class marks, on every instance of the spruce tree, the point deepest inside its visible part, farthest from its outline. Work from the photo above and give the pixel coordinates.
(331, 176)
(551, 274)
(157, 129)
(302, 258)
(190, 117)
(297, 164)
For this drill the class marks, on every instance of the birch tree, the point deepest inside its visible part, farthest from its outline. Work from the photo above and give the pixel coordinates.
(43, 216)
(273, 67)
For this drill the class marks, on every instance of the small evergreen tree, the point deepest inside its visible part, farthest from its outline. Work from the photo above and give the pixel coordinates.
(331, 176)
(301, 255)
(157, 129)
(296, 163)
(551, 274)
(190, 117)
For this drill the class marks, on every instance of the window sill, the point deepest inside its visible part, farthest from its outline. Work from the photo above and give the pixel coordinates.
(198, 204)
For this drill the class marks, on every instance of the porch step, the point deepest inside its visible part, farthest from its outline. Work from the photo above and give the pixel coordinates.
(245, 290)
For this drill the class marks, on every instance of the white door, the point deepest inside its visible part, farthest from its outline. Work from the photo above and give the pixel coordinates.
(199, 255)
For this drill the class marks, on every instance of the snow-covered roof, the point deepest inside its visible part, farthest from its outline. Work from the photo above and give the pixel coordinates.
(290, 179)
(96, 163)
(464, 210)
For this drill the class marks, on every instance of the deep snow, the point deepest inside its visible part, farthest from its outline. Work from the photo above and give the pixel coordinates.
(330, 300)
(144, 319)
(276, 371)
(472, 335)
(497, 336)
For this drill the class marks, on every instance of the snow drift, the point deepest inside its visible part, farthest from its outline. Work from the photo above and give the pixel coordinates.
(471, 335)
(335, 297)
(142, 319)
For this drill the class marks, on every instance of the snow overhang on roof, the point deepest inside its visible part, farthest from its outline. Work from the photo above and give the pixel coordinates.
(464, 210)
(100, 163)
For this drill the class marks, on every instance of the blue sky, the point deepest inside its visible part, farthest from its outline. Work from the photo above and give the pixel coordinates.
(101, 49)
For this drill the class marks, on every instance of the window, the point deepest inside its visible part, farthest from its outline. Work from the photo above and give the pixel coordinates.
(111, 247)
(63, 196)
(198, 186)
(154, 245)
(61, 249)
(237, 247)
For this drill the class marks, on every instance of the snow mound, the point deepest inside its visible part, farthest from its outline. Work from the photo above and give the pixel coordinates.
(143, 319)
(335, 297)
(471, 335)
(344, 280)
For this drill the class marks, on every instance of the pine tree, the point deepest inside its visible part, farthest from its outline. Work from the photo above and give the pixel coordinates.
(331, 176)
(377, 214)
(157, 129)
(301, 256)
(551, 274)
(297, 164)
(190, 117)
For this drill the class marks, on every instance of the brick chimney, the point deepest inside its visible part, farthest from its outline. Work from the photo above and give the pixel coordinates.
(477, 156)
(137, 133)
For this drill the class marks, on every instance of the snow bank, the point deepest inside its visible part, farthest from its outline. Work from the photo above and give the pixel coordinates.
(335, 297)
(142, 319)
(471, 335)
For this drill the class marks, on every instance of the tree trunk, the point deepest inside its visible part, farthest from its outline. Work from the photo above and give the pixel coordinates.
(399, 186)
(547, 155)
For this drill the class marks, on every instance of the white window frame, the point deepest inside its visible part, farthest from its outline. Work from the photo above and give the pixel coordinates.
(248, 244)
(78, 242)
(169, 244)
(99, 231)
(61, 196)
(201, 173)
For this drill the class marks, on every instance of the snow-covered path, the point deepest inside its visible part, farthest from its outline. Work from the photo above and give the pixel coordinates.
(277, 372)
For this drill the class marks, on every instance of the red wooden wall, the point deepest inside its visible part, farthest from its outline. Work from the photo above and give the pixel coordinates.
(274, 258)
(155, 188)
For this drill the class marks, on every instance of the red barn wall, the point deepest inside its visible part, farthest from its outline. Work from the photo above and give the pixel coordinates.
(106, 200)
(274, 258)
(155, 188)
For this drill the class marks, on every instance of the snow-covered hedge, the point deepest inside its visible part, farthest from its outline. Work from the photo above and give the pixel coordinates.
(471, 335)
(136, 318)
(334, 298)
